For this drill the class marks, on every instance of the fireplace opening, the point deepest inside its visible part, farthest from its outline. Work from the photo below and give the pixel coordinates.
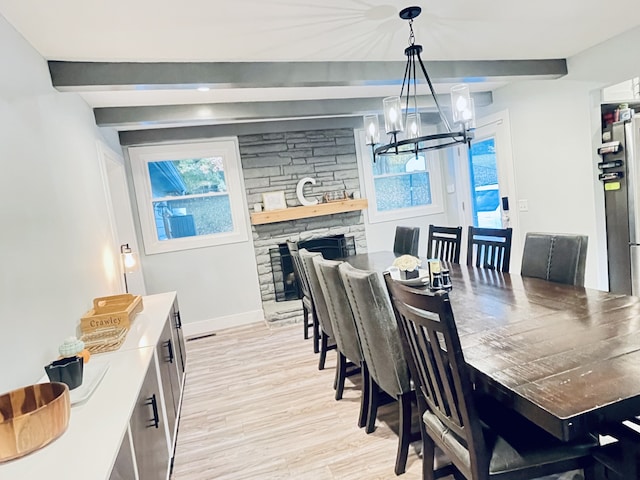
(284, 279)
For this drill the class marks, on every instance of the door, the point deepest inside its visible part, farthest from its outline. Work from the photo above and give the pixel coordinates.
(490, 182)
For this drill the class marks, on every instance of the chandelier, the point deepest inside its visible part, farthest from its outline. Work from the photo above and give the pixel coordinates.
(399, 120)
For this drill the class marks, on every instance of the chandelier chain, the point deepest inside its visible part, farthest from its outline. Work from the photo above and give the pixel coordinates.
(412, 36)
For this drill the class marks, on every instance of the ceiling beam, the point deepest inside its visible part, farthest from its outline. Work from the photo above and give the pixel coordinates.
(221, 113)
(101, 76)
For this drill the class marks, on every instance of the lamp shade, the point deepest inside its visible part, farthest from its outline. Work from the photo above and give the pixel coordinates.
(414, 130)
(461, 104)
(130, 261)
(392, 115)
(371, 129)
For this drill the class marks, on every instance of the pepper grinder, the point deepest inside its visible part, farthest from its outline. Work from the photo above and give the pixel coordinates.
(446, 279)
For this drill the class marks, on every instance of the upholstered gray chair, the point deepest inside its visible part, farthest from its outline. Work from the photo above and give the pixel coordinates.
(327, 341)
(344, 327)
(406, 241)
(385, 368)
(557, 257)
(309, 319)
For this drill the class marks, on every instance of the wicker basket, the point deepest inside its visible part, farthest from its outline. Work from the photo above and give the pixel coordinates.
(104, 339)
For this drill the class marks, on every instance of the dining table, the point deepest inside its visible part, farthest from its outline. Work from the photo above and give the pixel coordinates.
(565, 357)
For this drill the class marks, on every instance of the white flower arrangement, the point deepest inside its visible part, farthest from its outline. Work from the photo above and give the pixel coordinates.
(407, 262)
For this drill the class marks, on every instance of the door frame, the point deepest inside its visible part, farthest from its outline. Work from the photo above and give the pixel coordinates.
(121, 223)
(498, 126)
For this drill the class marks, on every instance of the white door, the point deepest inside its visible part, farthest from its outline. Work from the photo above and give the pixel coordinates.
(487, 172)
(117, 193)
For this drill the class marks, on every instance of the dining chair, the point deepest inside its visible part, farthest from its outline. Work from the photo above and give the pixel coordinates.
(489, 248)
(483, 439)
(309, 319)
(344, 328)
(327, 341)
(620, 459)
(444, 243)
(385, 369)
(406, 241)
(557, 257)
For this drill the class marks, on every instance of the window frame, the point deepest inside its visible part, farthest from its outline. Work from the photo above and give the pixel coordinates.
(434, 169)
(227, 149)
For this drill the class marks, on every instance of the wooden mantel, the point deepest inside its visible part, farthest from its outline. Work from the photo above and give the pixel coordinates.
(294, 213)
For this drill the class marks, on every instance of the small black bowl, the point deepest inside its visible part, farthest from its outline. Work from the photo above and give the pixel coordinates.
(68, 370)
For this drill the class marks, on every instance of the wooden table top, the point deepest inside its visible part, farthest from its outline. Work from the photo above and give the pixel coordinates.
(567, 358)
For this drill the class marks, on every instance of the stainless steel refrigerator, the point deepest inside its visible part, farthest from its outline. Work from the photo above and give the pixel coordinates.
(620, 176)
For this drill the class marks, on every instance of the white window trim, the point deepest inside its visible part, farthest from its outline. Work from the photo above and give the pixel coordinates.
(365, 158)
(227, 148)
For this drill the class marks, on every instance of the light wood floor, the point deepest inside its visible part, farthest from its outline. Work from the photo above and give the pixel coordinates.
(257, 407)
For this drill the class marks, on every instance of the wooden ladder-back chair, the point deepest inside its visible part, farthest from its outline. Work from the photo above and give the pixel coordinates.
(483, 439)
(444, 243)
(489, 248)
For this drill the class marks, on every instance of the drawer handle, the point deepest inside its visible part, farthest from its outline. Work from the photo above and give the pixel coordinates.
(178, 319)
(155, 421)
(170, 348)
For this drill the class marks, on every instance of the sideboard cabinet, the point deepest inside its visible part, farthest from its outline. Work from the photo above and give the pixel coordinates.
(127, 429)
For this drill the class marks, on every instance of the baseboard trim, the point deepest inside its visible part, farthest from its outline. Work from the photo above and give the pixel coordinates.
(203, 327)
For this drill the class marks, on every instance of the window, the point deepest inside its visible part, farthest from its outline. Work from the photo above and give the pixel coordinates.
(189, 195)
(400, 186)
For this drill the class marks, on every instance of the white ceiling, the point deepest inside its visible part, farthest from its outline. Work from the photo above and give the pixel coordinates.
(305, 30)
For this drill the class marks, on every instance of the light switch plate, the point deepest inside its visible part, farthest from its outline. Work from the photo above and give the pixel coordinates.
(523, 205)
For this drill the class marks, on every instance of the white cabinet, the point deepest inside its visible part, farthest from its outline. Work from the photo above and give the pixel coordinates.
(148, 430)
(126, 429)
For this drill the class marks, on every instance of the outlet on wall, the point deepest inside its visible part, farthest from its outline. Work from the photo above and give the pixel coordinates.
(523, 205)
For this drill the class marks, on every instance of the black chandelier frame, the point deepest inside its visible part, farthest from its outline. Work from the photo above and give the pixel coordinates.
(422, 143)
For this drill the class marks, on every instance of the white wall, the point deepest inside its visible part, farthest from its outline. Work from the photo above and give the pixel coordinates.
(555, 131)
(56, 250)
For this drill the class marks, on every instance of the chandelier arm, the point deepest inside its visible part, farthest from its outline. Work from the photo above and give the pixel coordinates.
(404, 80)
(433, 94)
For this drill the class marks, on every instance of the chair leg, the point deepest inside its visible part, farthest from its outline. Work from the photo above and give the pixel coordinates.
(364, 397)
(404, 433)
(305, 321)
(428, 455)
(324, 340)
(316, 332)
(372, 408)
(341, 374)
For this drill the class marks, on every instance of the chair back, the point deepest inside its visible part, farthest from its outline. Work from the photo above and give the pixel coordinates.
(556, 257)
(298, 269)
(444, 243)
(440, 374)
(489, 248)
(344, 327)
(320, 303)
(406, 241)
(378, 331)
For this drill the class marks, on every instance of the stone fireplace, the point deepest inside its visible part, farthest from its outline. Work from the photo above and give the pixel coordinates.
(276, 162)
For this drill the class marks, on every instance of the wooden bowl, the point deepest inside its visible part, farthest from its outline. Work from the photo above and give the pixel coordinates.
(31, 417)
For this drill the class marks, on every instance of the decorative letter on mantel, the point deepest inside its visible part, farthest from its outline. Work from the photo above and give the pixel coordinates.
(300, 194)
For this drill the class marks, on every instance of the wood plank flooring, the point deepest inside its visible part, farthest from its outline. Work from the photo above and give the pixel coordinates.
(257, 407)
